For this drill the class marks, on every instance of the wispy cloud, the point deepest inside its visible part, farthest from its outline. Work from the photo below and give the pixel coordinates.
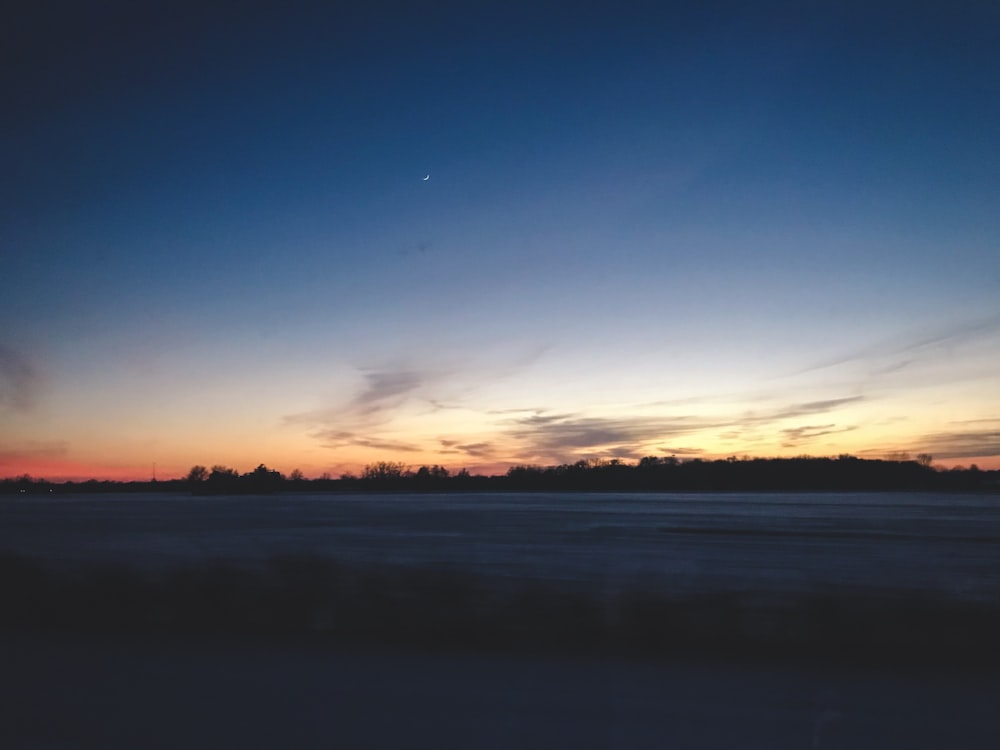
(561, 432)
(895, 366)
(19, 380)
(361, 421)
(383, 391)
(565, 435)
(346, 438)
(807, 409)
(793, 436)
(477, 450)
(481, 450)
(956, 333)
(386, 388)
(962, 443)
(366, 418)
(900, 353)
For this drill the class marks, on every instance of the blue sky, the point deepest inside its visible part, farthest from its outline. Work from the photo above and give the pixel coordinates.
(729, 229)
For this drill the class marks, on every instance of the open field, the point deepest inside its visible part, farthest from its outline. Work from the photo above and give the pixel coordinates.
(494, 621)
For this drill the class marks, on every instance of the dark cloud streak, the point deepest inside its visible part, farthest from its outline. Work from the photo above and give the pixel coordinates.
(557, 434)
(807, 409)
(383, 391)
(345, 438)
(962, 443)
(19, 381)
(794, 436)
(904, 354)
(386, 386)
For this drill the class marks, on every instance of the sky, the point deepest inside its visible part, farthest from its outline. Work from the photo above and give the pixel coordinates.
(478, 234)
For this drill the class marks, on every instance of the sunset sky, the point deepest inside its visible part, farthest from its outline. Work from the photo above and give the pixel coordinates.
(691, 229)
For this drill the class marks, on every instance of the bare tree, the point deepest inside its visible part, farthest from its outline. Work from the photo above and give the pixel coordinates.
(383, 470)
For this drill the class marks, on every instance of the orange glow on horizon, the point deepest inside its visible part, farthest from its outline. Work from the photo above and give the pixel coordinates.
(60, 470)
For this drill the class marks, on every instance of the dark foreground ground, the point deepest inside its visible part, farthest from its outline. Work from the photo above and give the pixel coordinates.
(833, 621)
(310, 653)
(91, 691)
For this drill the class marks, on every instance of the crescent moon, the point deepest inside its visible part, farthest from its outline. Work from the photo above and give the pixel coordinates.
(427, 178)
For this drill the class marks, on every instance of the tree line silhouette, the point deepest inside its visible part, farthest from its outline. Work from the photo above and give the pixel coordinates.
(650, 474)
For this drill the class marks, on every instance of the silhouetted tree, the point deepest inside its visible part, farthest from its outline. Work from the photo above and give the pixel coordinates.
(382, 471)
(425, 473)
(222, 473)
(262, 479)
